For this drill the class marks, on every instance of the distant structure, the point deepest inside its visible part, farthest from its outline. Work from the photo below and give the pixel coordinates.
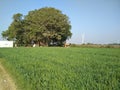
(83, 38)
(34, 45)
(67, 45)
(6, 44)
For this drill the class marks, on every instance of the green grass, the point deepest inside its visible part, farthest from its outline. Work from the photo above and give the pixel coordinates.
(63, 68)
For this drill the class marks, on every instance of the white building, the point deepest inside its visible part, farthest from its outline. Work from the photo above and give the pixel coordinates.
(6, 44)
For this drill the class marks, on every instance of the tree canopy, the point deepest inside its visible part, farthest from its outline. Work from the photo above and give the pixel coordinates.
(45, 26)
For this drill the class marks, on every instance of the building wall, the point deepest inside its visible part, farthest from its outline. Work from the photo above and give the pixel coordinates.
(6, 43)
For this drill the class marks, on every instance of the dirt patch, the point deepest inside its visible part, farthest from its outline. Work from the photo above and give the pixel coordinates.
(6, 82)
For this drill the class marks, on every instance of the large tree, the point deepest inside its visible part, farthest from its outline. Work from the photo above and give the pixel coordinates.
(44, 26)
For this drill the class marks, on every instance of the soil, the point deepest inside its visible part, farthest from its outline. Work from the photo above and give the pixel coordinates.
(6, 82)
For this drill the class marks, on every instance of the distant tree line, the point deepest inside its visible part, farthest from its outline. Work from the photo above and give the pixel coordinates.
(92, 45)
(46, 26)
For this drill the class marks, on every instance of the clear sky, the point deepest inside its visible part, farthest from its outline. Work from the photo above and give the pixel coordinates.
(98, 20)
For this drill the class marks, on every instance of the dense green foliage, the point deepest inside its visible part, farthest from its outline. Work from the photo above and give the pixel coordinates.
(63, 68)
(15, 30)
(45, 26)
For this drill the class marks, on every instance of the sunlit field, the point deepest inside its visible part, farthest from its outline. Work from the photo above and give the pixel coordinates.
(58, 68)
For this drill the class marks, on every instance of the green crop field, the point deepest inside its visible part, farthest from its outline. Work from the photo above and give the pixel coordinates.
(57, 68)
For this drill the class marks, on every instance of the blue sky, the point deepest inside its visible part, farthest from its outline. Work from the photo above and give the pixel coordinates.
(99, 20)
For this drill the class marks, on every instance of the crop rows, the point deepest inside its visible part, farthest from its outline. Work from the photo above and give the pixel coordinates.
(63, 68)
